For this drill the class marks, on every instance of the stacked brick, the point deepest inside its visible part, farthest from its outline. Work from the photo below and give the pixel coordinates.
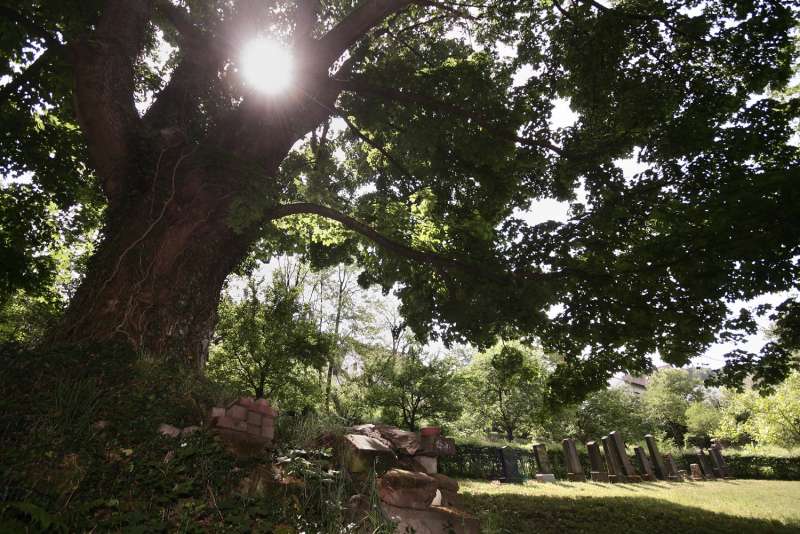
(246, 420)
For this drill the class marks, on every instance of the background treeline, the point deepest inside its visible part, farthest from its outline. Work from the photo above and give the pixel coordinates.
(318, 343)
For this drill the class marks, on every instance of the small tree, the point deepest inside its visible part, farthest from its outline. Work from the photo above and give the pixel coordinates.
(777, 417)
(267, 343)
(609, 409)
(409, 389)
(669, 393)
(506, 388)
(702, 421)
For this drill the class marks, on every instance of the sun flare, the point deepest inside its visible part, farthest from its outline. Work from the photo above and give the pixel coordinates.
(266, 66)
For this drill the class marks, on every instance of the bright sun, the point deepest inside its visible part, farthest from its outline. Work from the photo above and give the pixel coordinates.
(266, 66)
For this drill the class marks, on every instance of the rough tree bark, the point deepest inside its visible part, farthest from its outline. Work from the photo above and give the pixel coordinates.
(168, 244)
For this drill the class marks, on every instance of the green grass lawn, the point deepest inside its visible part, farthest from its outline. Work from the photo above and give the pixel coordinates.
(738, 506)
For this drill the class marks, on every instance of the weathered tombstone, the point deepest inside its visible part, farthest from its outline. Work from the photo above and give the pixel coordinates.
(719, 461)
(574, 467)
(658, 461)
(644, 461)
(625, 462)
(673, 474)
(615, 472)
(705, 465)
(598, 468)
(545, 471)
(509, 460)
(697, 473)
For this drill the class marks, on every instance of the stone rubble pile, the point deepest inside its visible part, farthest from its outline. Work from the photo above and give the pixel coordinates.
(412, 493)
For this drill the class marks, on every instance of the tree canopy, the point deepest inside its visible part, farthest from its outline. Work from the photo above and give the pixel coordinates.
(412, 139)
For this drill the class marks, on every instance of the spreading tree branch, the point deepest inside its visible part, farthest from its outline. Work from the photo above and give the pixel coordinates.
(396, 247)
(104, 79)
(362, 19)
(202, 59)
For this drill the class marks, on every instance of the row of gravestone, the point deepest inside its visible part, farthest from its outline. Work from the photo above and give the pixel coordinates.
(614, 465)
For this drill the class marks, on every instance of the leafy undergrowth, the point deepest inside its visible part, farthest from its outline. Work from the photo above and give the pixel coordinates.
(741, 506)
(81, 452)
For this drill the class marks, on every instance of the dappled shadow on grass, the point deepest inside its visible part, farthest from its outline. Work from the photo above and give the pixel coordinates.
(513, 513)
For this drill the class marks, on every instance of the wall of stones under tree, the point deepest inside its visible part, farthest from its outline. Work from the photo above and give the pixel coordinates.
(472, 461)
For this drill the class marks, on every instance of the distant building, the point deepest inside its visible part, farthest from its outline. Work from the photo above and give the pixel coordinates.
(634, 384)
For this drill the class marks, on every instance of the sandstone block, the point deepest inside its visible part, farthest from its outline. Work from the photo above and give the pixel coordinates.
(268, 432)
(217, 412)
(426, 464)
(444, 482)
(407, 489)
(169, 430)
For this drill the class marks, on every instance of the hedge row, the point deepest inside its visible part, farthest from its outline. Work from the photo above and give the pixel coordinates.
(472, 461)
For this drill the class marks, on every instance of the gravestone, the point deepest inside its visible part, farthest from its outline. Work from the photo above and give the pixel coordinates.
(644, 461)
(673, 474)
(658, 461)
(615, 472)
(574, 467)
(625, 462)
(544, 470)
(598, 468)
(697, 473)
(705, 465)
(509, 460)
(719, 461)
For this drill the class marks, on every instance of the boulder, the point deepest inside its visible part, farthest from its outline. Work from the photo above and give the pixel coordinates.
(404, 441)
(407, 489)
(360, 453)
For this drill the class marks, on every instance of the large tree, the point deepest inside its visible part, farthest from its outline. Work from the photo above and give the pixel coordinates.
(445, 143)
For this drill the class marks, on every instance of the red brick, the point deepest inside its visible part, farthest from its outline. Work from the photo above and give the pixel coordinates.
(241, 426)
(225, 422)
(246, 402)
(217, 412)
(268, 432)
(237, 412)
(254, 418)
(254, 429)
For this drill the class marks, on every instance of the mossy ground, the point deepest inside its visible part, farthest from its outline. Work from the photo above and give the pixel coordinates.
(61, 472)
(740, 506)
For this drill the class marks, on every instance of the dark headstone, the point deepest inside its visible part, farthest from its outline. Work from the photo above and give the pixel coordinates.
(615, 472)
(697, 473)
(574, 467)
(644, 461)
(705, 465)
(598, 467)
(625, 462)
(719, 461)
(673, 473)
(655, 456)
(509, 459)
(542, 461)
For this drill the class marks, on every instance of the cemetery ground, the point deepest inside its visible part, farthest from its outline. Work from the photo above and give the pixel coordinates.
(740, 506)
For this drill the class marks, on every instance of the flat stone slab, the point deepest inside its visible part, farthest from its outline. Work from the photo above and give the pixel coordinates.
(545, 478)
(407, 489)
(434, 520)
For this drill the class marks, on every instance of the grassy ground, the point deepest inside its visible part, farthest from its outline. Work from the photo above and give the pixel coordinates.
(739, 506)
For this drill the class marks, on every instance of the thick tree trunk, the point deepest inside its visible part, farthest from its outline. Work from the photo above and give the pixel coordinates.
(156, 277)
